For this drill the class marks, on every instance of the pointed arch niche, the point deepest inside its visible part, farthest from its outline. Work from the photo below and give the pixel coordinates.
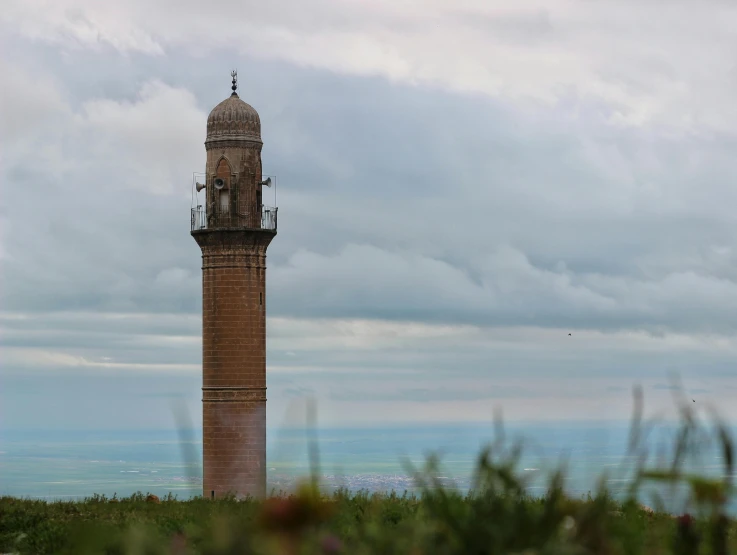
(224, 196)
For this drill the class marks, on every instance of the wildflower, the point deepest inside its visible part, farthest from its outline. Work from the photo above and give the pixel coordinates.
(719, 534)
(284, 513)
(295, 512)
(569, 524)
(178, 544)
(687, 538)
(331, 544)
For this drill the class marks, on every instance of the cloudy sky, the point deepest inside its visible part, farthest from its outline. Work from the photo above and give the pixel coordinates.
(461, 184)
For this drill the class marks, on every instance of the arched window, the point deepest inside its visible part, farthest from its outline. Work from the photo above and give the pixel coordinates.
(223, 172)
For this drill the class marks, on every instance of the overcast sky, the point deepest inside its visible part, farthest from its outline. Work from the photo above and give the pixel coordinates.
(461, 184)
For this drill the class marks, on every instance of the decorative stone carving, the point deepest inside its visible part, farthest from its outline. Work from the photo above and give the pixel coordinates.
(233, 394)
(234, 260)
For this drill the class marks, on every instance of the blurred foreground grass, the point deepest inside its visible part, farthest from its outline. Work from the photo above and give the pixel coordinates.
(496, 517)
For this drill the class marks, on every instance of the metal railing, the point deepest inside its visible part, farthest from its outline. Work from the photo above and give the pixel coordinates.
(268, 217)
(218, 219)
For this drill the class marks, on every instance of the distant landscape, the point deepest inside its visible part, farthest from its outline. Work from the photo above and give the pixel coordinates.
(502, 507)
(74, 465)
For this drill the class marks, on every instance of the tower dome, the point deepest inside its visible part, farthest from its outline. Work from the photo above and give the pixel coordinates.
(233, 119)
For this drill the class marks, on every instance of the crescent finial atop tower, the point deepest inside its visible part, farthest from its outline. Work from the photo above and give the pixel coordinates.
(234, 75)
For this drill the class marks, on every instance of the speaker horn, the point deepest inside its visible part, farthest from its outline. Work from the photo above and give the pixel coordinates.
(200, 186)
(219, 182)
(266, 182)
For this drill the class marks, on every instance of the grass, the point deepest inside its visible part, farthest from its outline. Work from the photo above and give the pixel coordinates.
(496, 517)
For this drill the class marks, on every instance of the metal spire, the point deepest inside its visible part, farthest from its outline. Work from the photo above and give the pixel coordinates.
(234, 75)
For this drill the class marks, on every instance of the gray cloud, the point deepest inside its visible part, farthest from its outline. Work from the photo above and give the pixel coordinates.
(522, 28)
(665, 387)
(517, 177)
(297, 391)
(612, 255)
(426, 395)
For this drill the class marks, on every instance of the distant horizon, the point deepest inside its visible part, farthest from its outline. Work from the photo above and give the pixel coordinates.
(562, 424)
(66, 464)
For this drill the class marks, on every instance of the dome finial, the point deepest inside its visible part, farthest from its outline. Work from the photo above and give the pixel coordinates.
(234, 75)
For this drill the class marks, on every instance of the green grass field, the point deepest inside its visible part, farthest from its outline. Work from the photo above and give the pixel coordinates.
(496, 517)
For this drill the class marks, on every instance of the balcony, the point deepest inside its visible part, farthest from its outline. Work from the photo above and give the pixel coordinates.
(225, 219)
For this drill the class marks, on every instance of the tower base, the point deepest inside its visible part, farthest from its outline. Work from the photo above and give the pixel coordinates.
(234, 443)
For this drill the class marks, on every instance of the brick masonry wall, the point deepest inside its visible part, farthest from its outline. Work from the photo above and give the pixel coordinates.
(234, 360)
(234, 449)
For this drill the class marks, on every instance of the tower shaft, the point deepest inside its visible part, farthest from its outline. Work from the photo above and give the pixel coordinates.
(234, 361)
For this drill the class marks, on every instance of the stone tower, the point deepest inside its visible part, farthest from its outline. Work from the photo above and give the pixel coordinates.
(233, 230)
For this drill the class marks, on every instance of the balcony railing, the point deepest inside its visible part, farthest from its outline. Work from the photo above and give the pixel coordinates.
(217, 219)
(268, 217)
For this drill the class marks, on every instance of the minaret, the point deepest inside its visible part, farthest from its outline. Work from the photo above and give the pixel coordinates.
(233, 231)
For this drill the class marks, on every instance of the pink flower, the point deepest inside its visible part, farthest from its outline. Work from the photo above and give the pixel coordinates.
(331, 544)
